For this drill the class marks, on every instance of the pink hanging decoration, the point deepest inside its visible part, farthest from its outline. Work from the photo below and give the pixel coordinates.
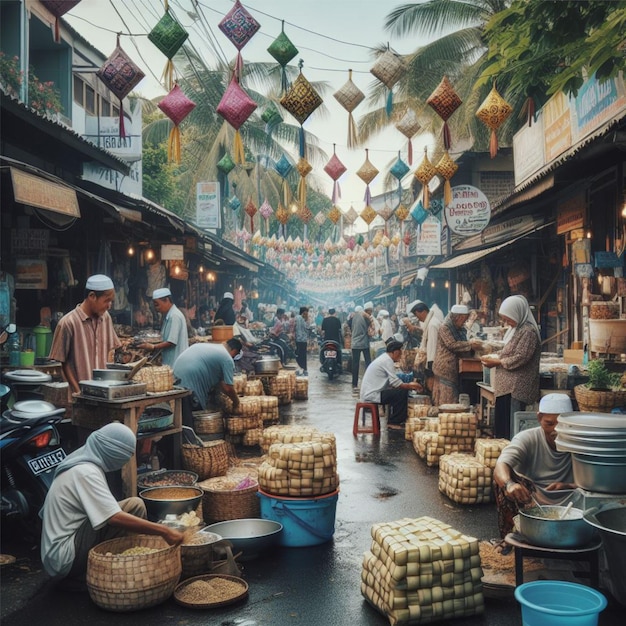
(335, 168)
(58, 8)
(177, 106)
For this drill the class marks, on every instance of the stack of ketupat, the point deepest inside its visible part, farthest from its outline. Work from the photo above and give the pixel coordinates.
(239, 383)
(253, 388)
(290, 434)
(282, 387)
(308, 468)
(455, 432)
(301, 391)
(488, 450)
(415, 424)
(269, 410)
(413, 409)
(422, 570)
(464, 479)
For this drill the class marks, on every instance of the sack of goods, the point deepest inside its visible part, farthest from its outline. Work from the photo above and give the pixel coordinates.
(464, 479)
(488, 450)
(308, 468)
(421, 570)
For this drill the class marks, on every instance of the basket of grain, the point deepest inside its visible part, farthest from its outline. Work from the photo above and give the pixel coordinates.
(227, 498)
(209, 460)
(211, 591)
(158, 378)
(133, 572)
(196, 553)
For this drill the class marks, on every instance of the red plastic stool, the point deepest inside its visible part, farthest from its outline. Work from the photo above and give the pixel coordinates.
(359, 424)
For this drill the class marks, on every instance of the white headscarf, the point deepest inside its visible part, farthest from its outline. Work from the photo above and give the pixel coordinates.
(517, 309)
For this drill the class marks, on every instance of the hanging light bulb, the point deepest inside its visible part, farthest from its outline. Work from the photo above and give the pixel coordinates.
(447, 284)
(588, 234)
(201, 269)
(131, 250)
(149, 254)
(176, 270)
(432, 284)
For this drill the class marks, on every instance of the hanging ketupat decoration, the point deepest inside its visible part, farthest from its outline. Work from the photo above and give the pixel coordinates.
(402, 212)
(445, 101)
(408, 126)
(168, 36)
(283, 50)
(266, 210)
(424, 173)
(251, 211)
(304, 169)
(349, 97)
(271, 117)
(301, 100)
(177, 106)
(120, 74)
(335, 168)
(226, 165)
(58, 8)
(367, 173)
(493, 112)
(399, 170)
(236, 106)
(389, 69)
(239, 27)
(283, 166)
(447, 168)
(368, 214)
(334, 215)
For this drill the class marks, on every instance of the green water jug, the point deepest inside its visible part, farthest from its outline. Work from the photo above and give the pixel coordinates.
(43, 341)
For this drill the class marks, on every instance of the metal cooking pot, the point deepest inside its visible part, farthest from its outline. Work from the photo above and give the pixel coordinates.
(119, 375)
(541, 529)
(267, 365)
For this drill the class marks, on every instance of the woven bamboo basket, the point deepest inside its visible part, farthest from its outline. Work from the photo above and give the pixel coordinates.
(132, 582)
(208, 422)
(211, 459)
(157, 378)
(254, 388)
(222, 501)
(602, 401)
(302, 389)
(237, 425)
(198, 559)
(252, 437)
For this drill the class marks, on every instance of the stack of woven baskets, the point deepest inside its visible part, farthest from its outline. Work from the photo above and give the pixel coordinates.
(158, 378)
(209, 460)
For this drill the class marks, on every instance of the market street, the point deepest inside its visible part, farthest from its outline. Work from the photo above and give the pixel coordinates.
(381, 480)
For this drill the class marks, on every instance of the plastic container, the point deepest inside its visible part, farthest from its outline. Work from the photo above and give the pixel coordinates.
(556, 603)
(306, 521)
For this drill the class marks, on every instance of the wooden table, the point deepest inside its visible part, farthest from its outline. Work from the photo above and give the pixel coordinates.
(470, 372)
(588, 553)
(92, 413)
(486, 407)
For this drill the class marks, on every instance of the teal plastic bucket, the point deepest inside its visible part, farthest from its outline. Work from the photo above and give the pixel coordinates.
(556, 603)
(306, 521)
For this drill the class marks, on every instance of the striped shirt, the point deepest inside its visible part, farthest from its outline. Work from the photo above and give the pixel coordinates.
(84, 342)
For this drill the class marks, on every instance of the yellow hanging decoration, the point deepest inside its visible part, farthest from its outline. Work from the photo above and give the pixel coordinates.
(492, 113)
(424, 173)
(239, 155)
(173, 145)
(447, 168)
(304, 168)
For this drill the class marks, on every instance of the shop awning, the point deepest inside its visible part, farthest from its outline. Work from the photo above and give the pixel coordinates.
(408, 279)
(36, 191)
(471, 257)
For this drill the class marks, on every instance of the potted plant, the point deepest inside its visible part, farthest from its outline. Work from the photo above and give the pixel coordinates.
(602, 392)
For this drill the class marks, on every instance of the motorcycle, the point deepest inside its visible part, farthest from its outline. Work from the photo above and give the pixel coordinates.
(330, 358)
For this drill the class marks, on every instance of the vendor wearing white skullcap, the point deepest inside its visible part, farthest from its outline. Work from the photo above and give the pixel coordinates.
(531, 464)
(84, 338)
(363, 327)
(225, 313)
(174, 336)
(386, 327)
(452, 345)
(517, 364)
(80, 511)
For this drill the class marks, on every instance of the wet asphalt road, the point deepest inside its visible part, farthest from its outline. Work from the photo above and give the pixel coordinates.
(382, 479)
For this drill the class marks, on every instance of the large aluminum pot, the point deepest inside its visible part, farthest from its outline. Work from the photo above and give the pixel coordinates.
(267, 365)
(542, 527)
(606, 474)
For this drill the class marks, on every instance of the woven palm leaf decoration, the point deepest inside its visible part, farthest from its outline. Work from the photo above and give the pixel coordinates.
(446, 168)
(368, 214)
(493, 112)
(59, 8)
(301, 100)
(402, 212)
(389, 69)
(386, 212)
(177, 106)
(239, 27)
(350, 216)
(120, 74)
(334, 215)
(251, 211)
(349, 97)
(265, 211)
(367, 173)
(304, 169)
(283, 50)
(399, 170)
(424, 173)
(283, 166)
(236, 106)
(271, 117)
(418, 212)
(168, 36)
(408, 126)
(335, 168)
(445, 101)
(320, 218)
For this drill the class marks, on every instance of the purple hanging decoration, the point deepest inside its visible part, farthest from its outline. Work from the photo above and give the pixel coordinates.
(335, 168)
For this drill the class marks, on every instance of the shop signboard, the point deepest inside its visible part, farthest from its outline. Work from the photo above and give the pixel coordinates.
(172, 252)
(469, 211)
(110, 179)
(570, 214)
(528, 151)
(31, 274)
(557, 126)
(208, 214)
(429, 238)
(36, 191)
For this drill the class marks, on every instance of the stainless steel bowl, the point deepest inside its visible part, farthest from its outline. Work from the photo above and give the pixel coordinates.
(596, 473)
(163, 501)
(250, 536)
(541, 529)
(267, 365)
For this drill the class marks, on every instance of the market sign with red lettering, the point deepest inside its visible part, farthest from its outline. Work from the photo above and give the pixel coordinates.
(469, 212)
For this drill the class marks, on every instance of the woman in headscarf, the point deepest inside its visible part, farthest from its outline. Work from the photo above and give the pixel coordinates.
(517, 365)
(452, 345)
(80, 511)
(225, 311)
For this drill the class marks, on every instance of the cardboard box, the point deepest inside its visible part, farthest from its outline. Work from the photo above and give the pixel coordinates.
(574, 357)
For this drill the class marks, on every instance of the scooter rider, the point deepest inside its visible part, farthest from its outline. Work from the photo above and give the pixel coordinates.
(331, 331)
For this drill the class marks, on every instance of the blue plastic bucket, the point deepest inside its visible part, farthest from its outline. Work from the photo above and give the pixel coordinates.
(306, 521)
(556, 603)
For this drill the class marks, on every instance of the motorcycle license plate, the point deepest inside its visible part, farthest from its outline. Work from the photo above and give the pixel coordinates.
(330, 354)
(46, 461)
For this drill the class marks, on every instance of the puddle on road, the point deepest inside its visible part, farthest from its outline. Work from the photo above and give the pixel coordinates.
(386, 492)
(371, 456)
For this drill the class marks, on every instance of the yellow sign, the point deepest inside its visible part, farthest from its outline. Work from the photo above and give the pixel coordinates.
(35, 191)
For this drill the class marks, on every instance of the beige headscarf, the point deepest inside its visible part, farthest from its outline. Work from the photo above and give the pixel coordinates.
(517, 308)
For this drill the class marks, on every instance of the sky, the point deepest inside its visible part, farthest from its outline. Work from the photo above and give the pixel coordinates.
(332, 36)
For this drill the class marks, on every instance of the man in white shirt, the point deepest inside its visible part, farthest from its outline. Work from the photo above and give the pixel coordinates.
(381, 384)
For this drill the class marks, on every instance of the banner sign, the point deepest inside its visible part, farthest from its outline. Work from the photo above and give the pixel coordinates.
(469, 212)
(208, 214)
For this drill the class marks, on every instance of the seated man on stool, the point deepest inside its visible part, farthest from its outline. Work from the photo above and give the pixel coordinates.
(381, 385)
(531, 467)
